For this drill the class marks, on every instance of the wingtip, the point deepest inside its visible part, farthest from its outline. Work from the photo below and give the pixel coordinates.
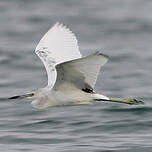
(63, 25)
(99, 53)
(59, 24)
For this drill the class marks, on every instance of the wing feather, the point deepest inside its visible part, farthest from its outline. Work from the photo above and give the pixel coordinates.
(82, 73)
(58, 45)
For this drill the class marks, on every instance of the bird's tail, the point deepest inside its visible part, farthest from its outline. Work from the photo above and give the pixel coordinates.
(130, 101)
(29, 95)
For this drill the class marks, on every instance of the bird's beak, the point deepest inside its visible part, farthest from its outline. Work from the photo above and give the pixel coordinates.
(29, 95)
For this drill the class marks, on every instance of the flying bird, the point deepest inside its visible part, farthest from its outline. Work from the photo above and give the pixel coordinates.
(71, 77)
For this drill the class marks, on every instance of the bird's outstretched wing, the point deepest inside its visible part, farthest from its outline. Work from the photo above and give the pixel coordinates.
(82, 73)
(58, 45)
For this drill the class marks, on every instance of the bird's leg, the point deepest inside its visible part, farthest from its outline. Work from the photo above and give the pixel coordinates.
(131, 101)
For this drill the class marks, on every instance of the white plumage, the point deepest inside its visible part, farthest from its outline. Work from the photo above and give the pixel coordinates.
(58, 45)
(71, 77)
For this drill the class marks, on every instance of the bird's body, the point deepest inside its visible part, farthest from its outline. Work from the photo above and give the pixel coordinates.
(47, 97)
(74, 83)
(69, 74)
(71, 77)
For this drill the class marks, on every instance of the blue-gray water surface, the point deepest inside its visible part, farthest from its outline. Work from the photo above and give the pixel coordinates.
(120, 29)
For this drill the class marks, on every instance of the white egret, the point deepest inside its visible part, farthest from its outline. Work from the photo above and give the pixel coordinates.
(71, 77)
